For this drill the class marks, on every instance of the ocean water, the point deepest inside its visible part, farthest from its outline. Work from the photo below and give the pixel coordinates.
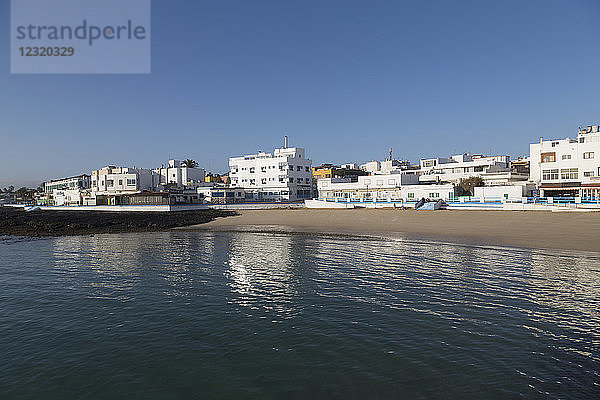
(178, 315)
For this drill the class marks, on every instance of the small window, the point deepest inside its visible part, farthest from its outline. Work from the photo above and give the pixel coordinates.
(566, 157)
(548, 157)
(120, 182)
(588, 155)
(411, 196)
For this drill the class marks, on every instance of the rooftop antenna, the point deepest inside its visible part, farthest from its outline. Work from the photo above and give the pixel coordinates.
(390, 154)
(285, 144)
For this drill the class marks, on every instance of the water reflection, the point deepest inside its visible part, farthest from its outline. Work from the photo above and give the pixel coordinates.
(528, 317)
(262, 271)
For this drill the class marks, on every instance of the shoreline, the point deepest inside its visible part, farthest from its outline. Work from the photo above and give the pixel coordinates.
(523, 229)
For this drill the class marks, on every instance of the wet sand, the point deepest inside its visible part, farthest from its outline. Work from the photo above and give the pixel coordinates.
(541, 229)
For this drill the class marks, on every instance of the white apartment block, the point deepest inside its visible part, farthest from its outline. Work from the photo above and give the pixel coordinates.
(568, 167)
(111, 180)
(175, 173)
(284, 175)
(494, 170)
(391, 187)
(75, 182)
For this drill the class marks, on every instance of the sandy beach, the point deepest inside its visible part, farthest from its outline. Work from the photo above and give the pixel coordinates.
(569, 231)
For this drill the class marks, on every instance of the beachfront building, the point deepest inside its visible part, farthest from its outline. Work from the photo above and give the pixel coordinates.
(74, 182)
(494, 170)
(284, 175)
(69, 197)
(175, 174)
(110, 184)
(221, 195)
(568, 167)
(382, 188)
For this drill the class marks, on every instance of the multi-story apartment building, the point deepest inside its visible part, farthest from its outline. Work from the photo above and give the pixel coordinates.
(568, 167)
(176, 174)
(74, 182)
(494, 170)
(284, 175)
(111, 180)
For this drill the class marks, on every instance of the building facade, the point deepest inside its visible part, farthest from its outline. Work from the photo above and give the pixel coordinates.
(178, 175)
(568, 167)
(284, 175)
(113, 180)
(74, 182)
(381, 188)
(494, 170)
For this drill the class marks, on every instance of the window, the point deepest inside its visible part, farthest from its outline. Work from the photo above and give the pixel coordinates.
(306, 169)
(566, 157)
(434, 195)
(263, 181)
(110, 182)
(549, 174)
(410, 195)
(291, 180)
(588, 155)
(588, 173)
(251, 170)
(120, 182)
(391, 181)
(379, 182)
(478, 169)
(554, 144)
(428, 163)
(307, 180)
(568, 173)
(299, 168)
(367, 181)
(548, 157)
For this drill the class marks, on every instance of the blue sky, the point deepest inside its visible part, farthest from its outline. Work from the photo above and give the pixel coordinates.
(344, 79)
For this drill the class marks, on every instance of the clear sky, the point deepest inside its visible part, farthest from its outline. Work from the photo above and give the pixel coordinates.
(344, 79)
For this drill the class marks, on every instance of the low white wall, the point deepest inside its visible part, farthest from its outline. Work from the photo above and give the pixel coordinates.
(327, 204)
(165, 208)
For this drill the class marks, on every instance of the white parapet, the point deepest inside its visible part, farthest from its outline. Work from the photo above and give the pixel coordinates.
(327, 204)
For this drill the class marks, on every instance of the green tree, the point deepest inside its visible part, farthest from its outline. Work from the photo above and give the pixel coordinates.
(189, 163)
(468, 185)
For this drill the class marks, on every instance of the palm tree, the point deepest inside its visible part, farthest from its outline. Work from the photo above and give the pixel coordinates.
(468, 184)
(189, 163)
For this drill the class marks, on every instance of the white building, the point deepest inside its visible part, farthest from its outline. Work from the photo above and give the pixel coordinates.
(384, 167)
(494, 170)
(73, 182)
(284, 175)
(221, 194)
(391, 187)
(175, 173)
(68, 197)
(111, 180)
(568, 167)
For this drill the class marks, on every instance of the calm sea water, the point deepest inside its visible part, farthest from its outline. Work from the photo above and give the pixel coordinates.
(271, 316)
